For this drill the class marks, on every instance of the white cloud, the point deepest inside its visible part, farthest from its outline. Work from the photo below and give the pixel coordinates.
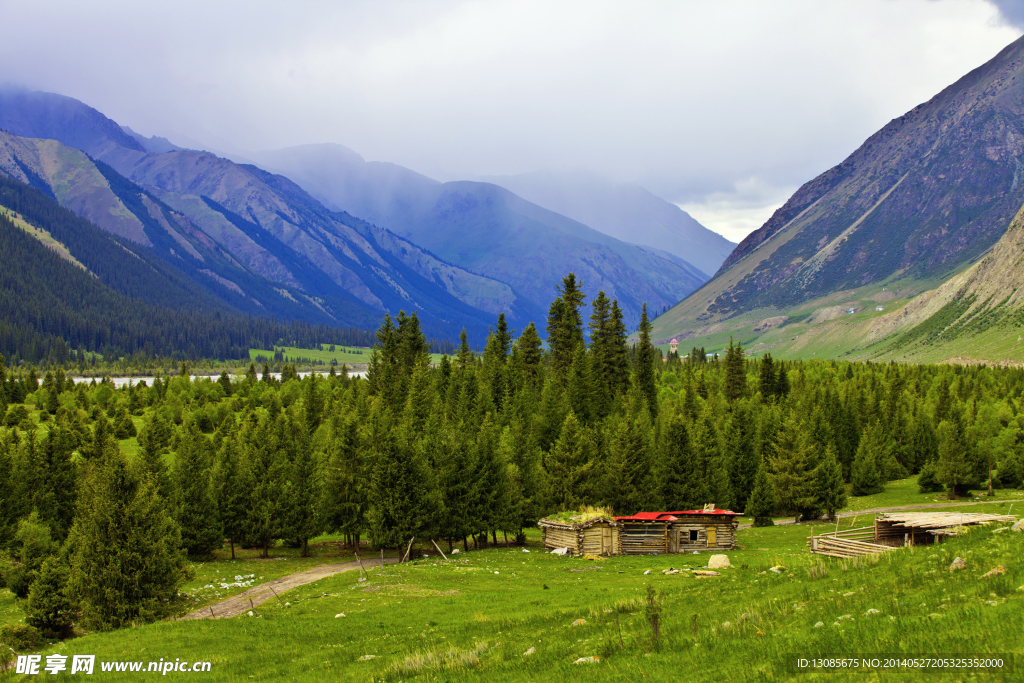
(738, 212)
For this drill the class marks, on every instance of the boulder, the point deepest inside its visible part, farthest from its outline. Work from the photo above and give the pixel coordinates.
(560, 551)
(719, 562)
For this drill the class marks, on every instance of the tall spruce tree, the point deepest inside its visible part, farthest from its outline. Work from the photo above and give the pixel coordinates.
(195, 508)
(643, 374)
(124, 549)
(762, 502)
(790, 476)
(829, 487)
(866, 473)
(569, 466)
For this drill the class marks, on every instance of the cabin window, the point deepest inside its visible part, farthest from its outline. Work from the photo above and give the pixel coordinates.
(693, 535)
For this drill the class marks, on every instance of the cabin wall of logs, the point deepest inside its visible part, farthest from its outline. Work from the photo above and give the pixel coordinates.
(644, 534)
(594, 537)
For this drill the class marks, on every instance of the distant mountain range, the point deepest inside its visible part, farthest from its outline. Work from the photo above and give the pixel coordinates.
(917, 203)
(625, 211)
(487, 229)
(459, 253)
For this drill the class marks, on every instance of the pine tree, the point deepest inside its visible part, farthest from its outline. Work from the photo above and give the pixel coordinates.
(762, 502)
(957, 468)
(232, 491)
(345, 478)
(398, 492)
(676, 469)
(529, 345)
(742, 458)
(312, 403)
(643, 376)
(268, 468)
(866, 475)
(735, 385)
(579, 390)
(124, 549)
(790, 476)
(194, 507)
(49, 608)
(565, 324)
(303, 516)
(569, 467)
(630, 458)
(766, 377)
(829, 487)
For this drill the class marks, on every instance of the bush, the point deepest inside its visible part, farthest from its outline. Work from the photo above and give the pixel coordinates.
(19, 580)
(927, 480)
(20, 637)
(49, 609)
(15, 416)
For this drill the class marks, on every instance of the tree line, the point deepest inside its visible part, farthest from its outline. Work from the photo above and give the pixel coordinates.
(469, 451)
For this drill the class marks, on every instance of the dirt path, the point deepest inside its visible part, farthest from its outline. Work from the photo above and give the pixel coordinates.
(240, 603)
(898, 508)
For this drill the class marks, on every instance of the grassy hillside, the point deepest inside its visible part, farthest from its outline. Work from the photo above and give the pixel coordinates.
(476, 616)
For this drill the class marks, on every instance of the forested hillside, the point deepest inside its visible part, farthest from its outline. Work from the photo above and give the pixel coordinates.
(122, 301)
(473, 449)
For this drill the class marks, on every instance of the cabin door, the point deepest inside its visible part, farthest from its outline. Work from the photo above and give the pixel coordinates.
(712, 534)
(673, 541)
(606, 541)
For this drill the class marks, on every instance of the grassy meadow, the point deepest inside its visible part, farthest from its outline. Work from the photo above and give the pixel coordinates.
(475, 616)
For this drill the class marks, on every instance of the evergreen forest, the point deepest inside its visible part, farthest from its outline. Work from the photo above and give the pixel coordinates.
(468, 451)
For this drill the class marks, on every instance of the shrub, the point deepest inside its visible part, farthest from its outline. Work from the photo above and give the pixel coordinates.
(20, 637)
(49, 608)
(927, 480)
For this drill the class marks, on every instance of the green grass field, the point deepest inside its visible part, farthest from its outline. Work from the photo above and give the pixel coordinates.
(474, 617)
(349, 355)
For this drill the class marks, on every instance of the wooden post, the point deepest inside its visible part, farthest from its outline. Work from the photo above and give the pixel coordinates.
(361, 570)
(408, 550)
(439, 550)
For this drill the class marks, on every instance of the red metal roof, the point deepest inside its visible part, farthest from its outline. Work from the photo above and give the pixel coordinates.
(716, 511)
(648, 517)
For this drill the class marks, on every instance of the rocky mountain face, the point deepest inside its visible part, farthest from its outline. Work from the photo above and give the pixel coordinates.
(927, 194)
(256, 239)
(625, 211)
(489, 230)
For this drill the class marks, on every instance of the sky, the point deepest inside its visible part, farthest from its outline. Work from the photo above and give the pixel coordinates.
(723, 108)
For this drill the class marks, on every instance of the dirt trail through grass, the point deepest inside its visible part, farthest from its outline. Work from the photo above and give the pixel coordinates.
(243, 602)
(896, 508)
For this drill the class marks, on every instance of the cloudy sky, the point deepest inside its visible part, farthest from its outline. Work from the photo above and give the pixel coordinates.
(722, 107)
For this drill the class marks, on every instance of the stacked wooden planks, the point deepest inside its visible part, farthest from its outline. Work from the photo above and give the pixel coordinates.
(836, 546)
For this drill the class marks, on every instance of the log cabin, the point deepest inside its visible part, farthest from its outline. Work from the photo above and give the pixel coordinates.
(594, 536)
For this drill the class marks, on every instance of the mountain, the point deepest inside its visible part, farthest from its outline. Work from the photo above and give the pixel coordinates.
(256, 240)
(922, 198)
(154, 144)
(625, 211)
(68, 287)
(488, 230)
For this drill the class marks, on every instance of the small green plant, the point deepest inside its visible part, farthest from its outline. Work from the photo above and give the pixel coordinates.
(652, 613)
(20, 637)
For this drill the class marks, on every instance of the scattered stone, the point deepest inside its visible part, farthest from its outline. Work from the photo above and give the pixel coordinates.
(579, 622)
(846, 616)
(495, 572)
(958, 563)
(339, 615)
(702, 572)
(587, 660)
(694, 552)
(525, 550)
(669, 572)
(846, 595)
(560, 551)
(249, 613)
(819, 624)
(871, 611)
(529, 652)
(994, 572)
(287, 604)
(1019, 526)
(455, 552)
(366, 658)
(719, 562)
(647, 572)
(726, 624)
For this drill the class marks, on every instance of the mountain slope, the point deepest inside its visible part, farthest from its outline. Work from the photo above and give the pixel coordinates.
(625, 211)
(487, 229)
(256, 240)
(917, 201)
(67, 287)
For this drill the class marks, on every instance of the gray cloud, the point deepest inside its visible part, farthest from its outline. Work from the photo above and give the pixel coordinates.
(701, 102)
(1012, 11)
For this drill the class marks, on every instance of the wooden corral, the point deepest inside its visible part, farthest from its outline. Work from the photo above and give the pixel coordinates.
(595, 536)
(898, 529)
